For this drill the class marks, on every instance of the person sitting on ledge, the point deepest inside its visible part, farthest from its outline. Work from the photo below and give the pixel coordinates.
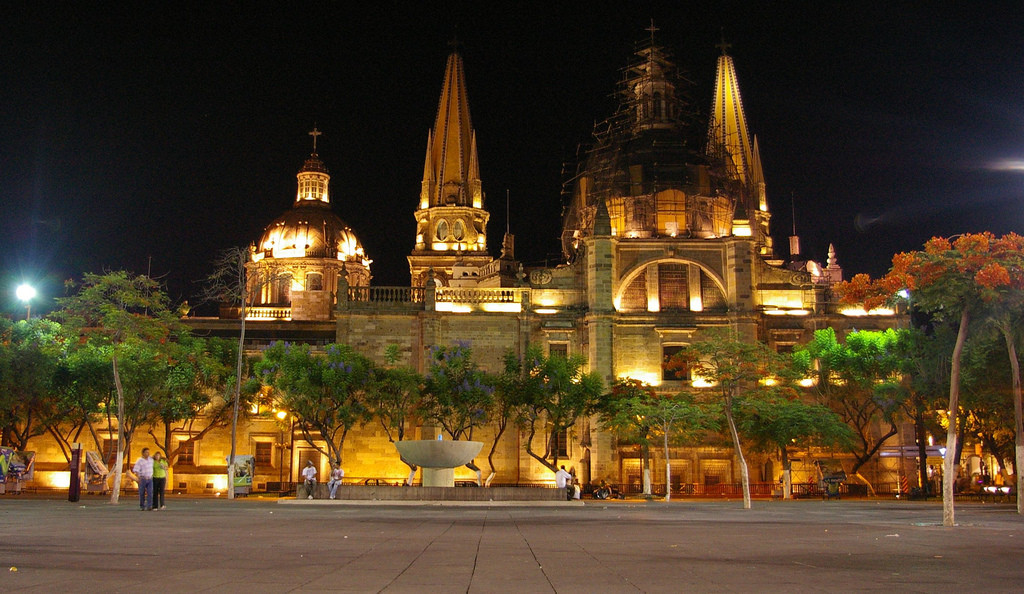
(309, 474)
(336, 475)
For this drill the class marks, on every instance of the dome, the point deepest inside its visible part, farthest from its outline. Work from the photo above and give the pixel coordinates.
(309, 230)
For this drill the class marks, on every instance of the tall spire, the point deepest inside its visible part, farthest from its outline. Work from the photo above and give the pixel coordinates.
(729, 136)
(451, 223)
(728, 129)
(450, 174)
(757, 178)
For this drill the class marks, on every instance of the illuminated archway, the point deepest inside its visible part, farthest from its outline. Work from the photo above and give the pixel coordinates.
(682, 284)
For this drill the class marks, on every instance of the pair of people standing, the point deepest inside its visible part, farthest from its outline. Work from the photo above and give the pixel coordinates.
(151, 475)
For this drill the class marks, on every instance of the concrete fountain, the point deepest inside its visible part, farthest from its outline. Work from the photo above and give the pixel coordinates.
(438, 458)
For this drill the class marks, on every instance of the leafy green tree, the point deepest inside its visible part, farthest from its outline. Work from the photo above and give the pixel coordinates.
(987, 397)
(734, 368)
(196, 401)
(396, 395)
(624, 413)
(131, 317)
(28, 362)
(555, 392)
(635, 412)
(82, 389)
(329, 393)
(860, 380)
(144, 371)
(507, 398)
(924, 357)
(774, 422)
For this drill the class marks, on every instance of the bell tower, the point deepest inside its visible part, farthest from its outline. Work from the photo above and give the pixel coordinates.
(451, 223)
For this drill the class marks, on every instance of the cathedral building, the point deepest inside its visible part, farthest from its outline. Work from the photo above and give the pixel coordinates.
(663, 237)
(666, 233)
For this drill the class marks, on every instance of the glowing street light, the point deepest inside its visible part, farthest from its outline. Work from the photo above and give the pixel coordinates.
(26, 293)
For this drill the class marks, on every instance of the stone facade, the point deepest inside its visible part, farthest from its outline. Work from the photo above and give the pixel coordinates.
(657, 250)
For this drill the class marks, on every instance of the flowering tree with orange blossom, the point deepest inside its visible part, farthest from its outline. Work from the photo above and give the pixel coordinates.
(973, 277)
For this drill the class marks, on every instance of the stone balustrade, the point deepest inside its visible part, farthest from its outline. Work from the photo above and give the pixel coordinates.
(477, 295)
(268, 313)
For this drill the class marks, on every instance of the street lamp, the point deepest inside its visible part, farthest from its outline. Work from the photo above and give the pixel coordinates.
(26, 293)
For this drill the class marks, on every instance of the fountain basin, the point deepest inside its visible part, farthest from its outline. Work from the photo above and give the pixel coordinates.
(438, 458)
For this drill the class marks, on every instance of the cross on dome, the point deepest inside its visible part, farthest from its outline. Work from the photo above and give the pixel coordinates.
(314, 133)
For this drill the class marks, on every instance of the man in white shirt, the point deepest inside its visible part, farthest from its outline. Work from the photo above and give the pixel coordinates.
(309, 474)
(563, 478)
(143, 475)
(336, 475)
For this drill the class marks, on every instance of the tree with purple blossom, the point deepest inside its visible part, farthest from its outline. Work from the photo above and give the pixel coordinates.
(457, 394)
(328, 392)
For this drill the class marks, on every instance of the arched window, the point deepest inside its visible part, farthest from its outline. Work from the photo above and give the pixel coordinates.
(314, 281)
(459, 231)
(672, 287)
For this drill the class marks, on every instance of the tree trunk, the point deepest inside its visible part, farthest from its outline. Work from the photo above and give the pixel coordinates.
(115, 491)
(494, 445)
(744, 473)
(922, 450)
(668, 468)
(238, 383)
(1018, 421)
(948, 472)
(867, 483)
(533, 454)
(645, 463)
(787, 474)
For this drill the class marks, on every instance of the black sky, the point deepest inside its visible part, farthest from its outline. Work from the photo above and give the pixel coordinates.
(142, 137)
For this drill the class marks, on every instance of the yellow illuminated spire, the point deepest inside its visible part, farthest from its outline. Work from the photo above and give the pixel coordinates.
(728, 130)
(729, 137)
(450, 176)
(757, 178)
(451, 223)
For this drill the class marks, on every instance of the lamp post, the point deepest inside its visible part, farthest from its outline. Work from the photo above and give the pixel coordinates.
(26, 293)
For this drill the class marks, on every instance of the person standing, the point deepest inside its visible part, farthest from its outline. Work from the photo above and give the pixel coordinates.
(143, 474)
(336, 475)
(309, 474)
(562, 479)
(159, 480)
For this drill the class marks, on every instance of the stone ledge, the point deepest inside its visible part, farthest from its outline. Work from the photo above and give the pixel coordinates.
(433, 494)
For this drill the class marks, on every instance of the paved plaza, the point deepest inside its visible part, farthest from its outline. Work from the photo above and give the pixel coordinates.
(259, 545)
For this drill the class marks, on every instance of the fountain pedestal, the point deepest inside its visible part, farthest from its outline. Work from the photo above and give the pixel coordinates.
(438, 458)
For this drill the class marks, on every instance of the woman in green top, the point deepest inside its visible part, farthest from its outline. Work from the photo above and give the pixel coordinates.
(159, 481)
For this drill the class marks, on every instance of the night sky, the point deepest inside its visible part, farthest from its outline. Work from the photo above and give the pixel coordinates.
(149, 140)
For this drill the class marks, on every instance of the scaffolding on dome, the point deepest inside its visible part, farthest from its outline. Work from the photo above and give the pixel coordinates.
(641, 165)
